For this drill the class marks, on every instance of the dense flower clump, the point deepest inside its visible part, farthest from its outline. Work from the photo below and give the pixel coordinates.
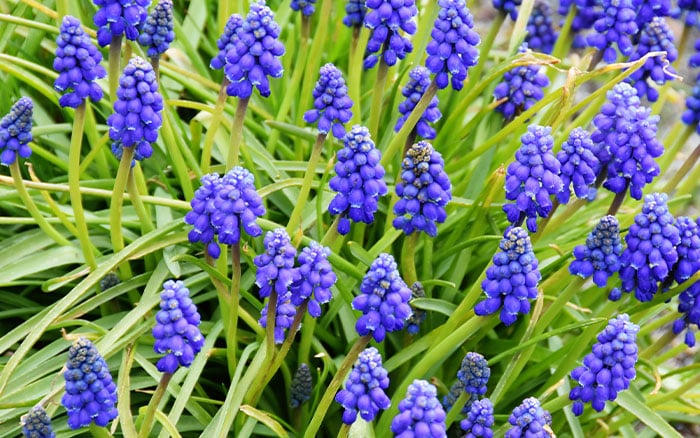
(511, 282)
(383, 299)
(16, 131)
(541, 35)
(158, 30)
(611, 120)
(474, 373)
(689, 308)
(452, 49)
(424, 191)
(614, 28)
(226, 41)
(479, 420)
(522, 87)
(359, 180)
(532, 178)
(420, 413)
(528, 420)
(509, 7)
(419, 80)
(688, 249)
(386, 19)
(586, 15)
(254, 54)
(355, 11)
(301, 386)
(90, 394)
(418, 315)
(600, 256)
(332, 105)
(609, 368)
(78, 65)
(364, 389)
(315, 277)
(137, 110)
(306, 7)
(37, 424)
(115, 18)
(579, 166)
(177, 328)
(655, 36)
(275, 265)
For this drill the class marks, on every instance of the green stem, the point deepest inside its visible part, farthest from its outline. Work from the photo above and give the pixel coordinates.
(216, 118)
(408, 258)
(295, 218)
(344, 431)
(116, 207)
(234, 298)
(338, 378)
(456, 409)
(155, 63)
(115, 49)
(375, 110)
(31, 206)
(76, 143)
(563, 43)
(141, 211)
(332, 234)
(270, 329)
(237, 133)
(307, 336)
(153, 405)
(355, 74)
(617, 200)
(685, 168)
(61, 9)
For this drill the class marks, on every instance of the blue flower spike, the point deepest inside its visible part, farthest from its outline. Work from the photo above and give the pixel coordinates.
(688, 249)
(612, 123)
(419, 81)
(511, 282)
(226, 41)
(420, 413)
(387, 19)
(16, 131)
(315, 278)
(600, 256)
(158, 30)
(509, 7)
(115, 18)
(615, 27)
(78, 65)
(355, 11)
(529, 420)
(364, 389)
(176, 331)
(655, 36)
(522, 86)
(579, 166)
(37, 424)
(541, 35)
(306, 7)
(689, 309)
(479, 421)
(301, 386)
(332, 105)
(609, 368)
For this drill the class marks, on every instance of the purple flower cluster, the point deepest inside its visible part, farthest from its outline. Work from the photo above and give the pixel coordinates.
(647, 11)
(301, 386)
(688, 249)
(136, 118)
(474, 373)
(418, 315)
(424, 191)
(651, 249)
(364, 389)
(332, 105)
(522, 86)
(452, 49)
(119, 17)
(511, 282)
(614, 27)
(419, 80)
(420, 413)
(158, 30)
(383, 299)
(541, 35)
(578, 166)
(609, 368)
(586, 16)
(16, 131)
(315, 278)
(528, 420)
(78, 65)
(37, 424)
(600, 256)
(692, 10)
(532, 178)
(359, 180)
(226, 41)
(221, 206)
(284, 317)
(689, 308)
(691, 116)
(655, 36)
(479, 420)
(386, 19)
(177, 328)
(355, 11)
(307, 7)
(611, 122)
(254, 54)
(509, 7)
(90, 391)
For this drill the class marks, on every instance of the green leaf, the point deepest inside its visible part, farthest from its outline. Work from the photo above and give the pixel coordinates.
(434, 304)
(266, 419)
(642, 412)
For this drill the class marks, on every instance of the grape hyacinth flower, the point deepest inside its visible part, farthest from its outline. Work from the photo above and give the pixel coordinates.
(532, 178)
(452, 49)
(90, 391)
(108, 281)
(115, 18)
(307, 7)
(386, 19)
(419, 80)
(479, 420)
(418, 315)
(529, 420)
(284, 316)
(579, 166)
(315, 278)
(688, 249)
(646, 11)
(615, 27)
(226, 41)
(586, 15)
(383, 299)
(200, 216)
(158, 30)
(420, 413)
(692, 10)
(655, 36)
(609, 368)
(424, 191)
(540, 35)
(359, 180)
(275, 265)
(523, 87)
(355, 11)
(255, 53)
(37, 424)
(651, 249)
(332, 105)
(302, 384)
(511, 282)
(177, 328)
(364, 389)
(78, 65)
(16, 131)
(600, 256)
(509, 7)
(474, 373)
(136, 118)
(691, 116)
(689, 308)
(612, 125)
(453, 394)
